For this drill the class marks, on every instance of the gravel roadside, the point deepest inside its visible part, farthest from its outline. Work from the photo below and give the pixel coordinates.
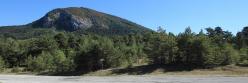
(121, 79)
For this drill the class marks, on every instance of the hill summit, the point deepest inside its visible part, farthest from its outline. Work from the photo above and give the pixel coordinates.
(79, 18)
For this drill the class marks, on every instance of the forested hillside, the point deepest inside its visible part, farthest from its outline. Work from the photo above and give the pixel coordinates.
(67, 52)
(74, 19)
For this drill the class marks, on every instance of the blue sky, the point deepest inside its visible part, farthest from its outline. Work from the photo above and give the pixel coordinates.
(173, 15)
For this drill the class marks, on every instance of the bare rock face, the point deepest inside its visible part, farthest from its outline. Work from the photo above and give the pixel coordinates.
(78, 18)
(78, 22)
(61, 19)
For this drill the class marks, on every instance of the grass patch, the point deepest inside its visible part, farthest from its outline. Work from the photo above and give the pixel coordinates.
(100, 73)
(15, 71)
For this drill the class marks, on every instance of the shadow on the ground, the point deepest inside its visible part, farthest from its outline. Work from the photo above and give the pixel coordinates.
(146, 69)
(72, 73)
(243, 65)
(137, 70)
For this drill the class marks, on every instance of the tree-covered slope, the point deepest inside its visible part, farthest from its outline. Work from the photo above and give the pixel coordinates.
(24, 32)
(77, 20)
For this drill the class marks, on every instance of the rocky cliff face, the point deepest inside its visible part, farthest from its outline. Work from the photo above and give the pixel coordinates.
(62, 19)
(75, 18)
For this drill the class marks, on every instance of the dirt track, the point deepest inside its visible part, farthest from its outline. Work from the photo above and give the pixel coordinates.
(120, 79)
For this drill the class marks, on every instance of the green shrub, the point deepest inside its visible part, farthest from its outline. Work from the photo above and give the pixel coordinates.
(16, 69)
(2, 64)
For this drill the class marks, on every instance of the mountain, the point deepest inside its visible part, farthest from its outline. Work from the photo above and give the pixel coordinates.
(80, 20)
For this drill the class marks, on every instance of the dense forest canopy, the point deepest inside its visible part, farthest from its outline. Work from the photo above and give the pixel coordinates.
(68, 51)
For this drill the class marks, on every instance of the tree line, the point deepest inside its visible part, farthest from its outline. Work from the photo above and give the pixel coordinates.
(67, 51)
